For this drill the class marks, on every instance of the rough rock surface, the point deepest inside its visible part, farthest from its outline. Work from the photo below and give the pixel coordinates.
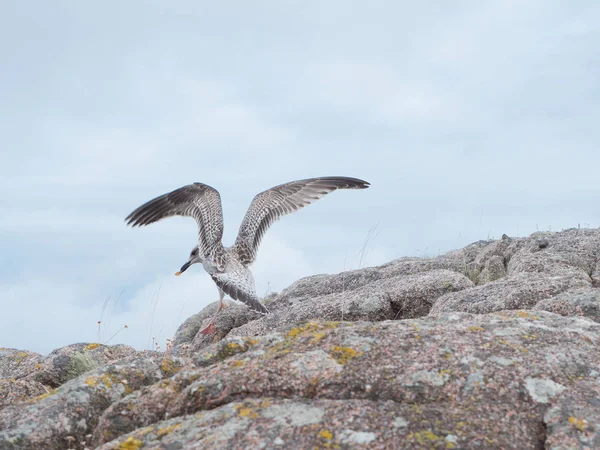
(492, 346)
(66, 415)
(472, 381)
(17, 364)
(584, 302)
(71, 361)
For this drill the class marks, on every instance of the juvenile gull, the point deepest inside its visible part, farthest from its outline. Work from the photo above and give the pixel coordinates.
(228, 266)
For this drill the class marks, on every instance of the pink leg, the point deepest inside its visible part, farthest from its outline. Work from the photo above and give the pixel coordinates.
(210, 328)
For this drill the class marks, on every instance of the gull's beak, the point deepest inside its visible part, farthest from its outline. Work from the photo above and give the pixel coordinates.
(183, 268)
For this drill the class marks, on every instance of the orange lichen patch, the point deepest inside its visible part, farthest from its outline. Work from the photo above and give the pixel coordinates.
(344, 354)
(580, 424)
(251, 341)
(245, 411)
(475, 329)
(38, 366)
(131, 443)
(325, 434)
(167, 430)
(91, 381)
(89, 347)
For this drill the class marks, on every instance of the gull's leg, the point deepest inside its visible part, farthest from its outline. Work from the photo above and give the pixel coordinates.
(210, 328)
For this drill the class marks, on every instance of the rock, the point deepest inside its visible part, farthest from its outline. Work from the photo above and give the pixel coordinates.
(350, 424)
(391, 298)
(469, 380)
(71, 361)
(17, 364)
(565, 261)
(582, 302)
(574, 419)
(491, 346)
(514, 292)
(319, 285)
(14, 391)
(64, 416)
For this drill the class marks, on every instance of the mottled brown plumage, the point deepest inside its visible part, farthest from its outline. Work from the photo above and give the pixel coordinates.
(228, 267)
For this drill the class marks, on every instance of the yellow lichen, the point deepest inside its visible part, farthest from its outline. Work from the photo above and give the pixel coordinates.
(423, 437)
(475, 329)
(230, 349)
(251, 341)
(344, 354)
(580, 424)
(317, 337)
(325, 434)
(238, 363)
(43, 396)
(311, 327)
(91, 381)
(449, 445)
(513, 345)
(91, 347)
(131, 443)
(266, 403)
(248, 412)
(167, 430)
(168, 367)
(526, 315)
(20, 356)
(107, 380)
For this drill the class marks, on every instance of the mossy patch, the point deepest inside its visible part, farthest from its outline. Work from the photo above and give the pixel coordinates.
(229, 349)
(79, 364)
(168, 367)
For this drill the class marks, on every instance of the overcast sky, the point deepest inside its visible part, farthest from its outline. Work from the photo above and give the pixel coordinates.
(469, 118)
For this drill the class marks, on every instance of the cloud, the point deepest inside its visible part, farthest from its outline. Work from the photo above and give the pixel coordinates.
(469, 120)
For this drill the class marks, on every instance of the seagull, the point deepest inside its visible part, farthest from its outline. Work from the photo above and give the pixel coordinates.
(229, 266)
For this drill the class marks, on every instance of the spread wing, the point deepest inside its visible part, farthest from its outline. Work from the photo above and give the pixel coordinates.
(197, 200)
(270, 205)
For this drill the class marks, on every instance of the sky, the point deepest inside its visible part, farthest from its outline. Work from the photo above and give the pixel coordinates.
(470, 119)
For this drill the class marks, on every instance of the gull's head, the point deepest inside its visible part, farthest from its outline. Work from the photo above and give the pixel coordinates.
(194, 258)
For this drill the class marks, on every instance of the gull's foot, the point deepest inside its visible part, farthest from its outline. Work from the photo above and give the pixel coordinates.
(210, 329)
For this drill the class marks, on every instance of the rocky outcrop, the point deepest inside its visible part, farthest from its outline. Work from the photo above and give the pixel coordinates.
(492, 346)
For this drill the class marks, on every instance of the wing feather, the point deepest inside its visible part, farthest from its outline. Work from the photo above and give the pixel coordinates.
(270, 205)
(197, 200)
